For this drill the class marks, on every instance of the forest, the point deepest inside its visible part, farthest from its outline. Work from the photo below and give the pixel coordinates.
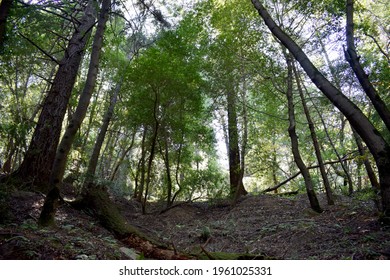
(208, 129)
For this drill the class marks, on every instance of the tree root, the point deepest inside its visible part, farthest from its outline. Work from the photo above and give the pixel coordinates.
(97, 201)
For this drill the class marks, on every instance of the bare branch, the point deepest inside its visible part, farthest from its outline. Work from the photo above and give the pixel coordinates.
(39, 48)
(299, 173)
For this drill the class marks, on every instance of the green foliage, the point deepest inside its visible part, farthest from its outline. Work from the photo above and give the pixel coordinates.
(178, 78)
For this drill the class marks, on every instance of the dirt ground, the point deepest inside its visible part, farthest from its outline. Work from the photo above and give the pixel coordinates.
(265, 225)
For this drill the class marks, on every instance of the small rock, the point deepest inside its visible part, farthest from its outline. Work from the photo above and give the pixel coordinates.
(82, 257)
(129, 253)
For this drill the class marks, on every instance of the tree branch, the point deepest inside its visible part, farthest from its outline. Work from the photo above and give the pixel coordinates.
(39, 48)
(299, 173)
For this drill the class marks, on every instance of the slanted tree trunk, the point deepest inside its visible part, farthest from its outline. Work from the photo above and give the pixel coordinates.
(353, 60)
(90, 174)
(370, 171)
(316, 145)
(42, 149)
(49, 208)
(376, 143)
(294, 142)
(236, 185)
(92, 115)
(336, 81)
(123, 156)
(345, 173)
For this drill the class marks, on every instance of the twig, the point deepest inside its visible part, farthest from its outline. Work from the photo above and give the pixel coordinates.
(207, 253)
(207, 242)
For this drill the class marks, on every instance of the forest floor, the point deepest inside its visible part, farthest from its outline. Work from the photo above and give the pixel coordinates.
(265, 225)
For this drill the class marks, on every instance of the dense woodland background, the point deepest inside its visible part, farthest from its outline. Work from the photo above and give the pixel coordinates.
(161, 104)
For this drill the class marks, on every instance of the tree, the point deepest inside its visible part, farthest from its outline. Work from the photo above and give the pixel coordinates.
(5, 8)
(314, 138)
(353, 59)
(93, 161)
(166, 100)
(233, 46)
(40, 155)
(294, 140)
(376, 143)
(59, 165)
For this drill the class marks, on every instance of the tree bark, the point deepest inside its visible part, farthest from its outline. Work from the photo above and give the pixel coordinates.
(345, 174)
(236, 185)
(164, 151)
(5, 8)
(152, 152)
(138, 192)
(177, 173)
(316, 145)
(336, 81)
(49, 208)
(90, 174)
(122, 157)
(370, 171)
(40, 155)
(294, 142)
(376, 143)
(353, 60)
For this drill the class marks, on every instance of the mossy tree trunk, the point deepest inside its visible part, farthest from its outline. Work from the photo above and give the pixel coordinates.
(96, 199)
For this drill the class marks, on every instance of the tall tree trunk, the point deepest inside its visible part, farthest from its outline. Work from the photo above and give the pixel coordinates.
(122, 157)
(377, 145)
(274, 165)
(294, 141)
(138, 193)
(336, 81)
(49, 208)
(165, 155)
(316, 145)
(42, 149)
(5, 8)
(353, 59)
(90, 174)
(178, 174)
(236, 185)
(244, 141)
(152, 152)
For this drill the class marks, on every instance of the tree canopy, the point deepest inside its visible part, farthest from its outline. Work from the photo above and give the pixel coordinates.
(195, 100)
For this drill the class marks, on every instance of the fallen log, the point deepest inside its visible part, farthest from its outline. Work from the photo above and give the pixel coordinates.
(97, 201)
(299, 173)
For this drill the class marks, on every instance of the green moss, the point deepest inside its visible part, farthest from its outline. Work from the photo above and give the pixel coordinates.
(230, 256)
